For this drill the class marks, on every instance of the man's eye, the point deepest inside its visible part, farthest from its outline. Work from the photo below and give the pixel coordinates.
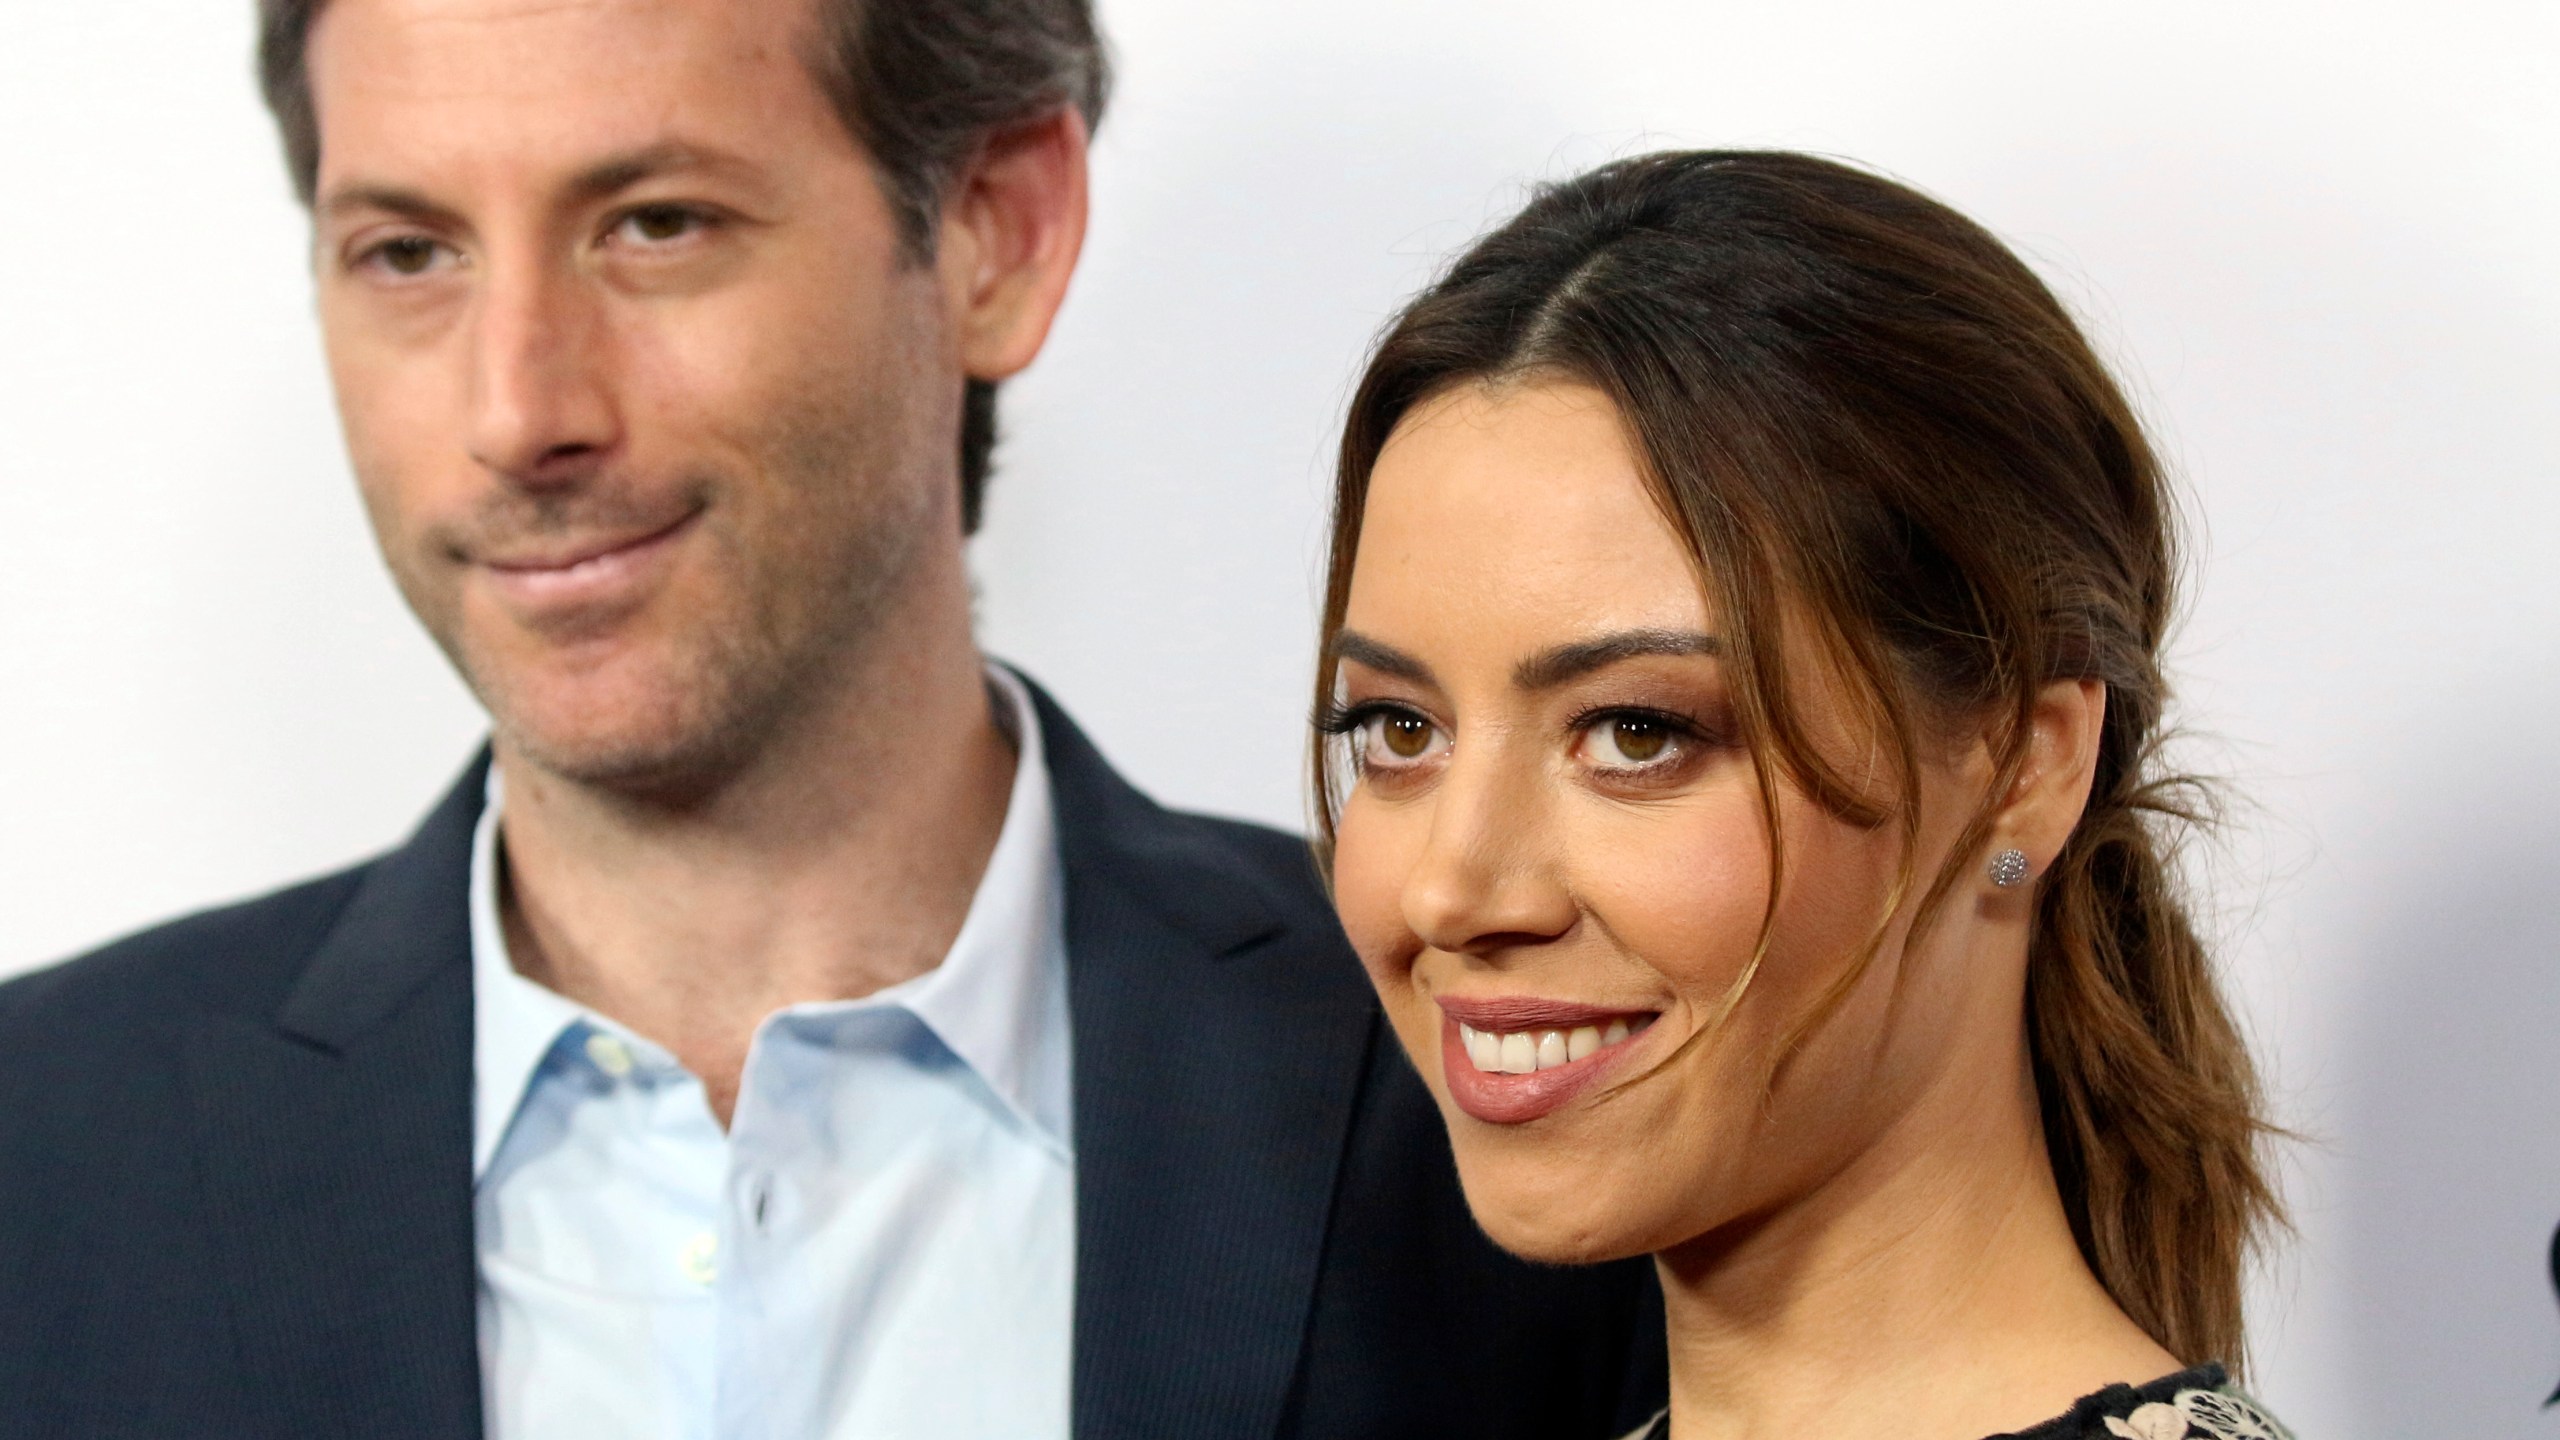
(658, 224)
(407, 255)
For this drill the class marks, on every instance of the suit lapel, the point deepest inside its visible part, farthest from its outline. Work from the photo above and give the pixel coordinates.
(337, 1161)
(1220, 1030)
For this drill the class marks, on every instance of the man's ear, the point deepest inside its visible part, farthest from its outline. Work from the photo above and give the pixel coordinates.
(1011, 231)
(2061, 761)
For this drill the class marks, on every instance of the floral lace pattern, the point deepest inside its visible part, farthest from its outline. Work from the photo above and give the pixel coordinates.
(2219, 1414)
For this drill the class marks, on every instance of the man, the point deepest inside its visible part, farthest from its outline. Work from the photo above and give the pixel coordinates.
(791, 1027)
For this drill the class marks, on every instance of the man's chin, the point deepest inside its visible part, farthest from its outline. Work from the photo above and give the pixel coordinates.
(661, 743)
(667, 768)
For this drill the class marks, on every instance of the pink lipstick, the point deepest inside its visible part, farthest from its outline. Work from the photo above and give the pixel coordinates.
(1511, 1059)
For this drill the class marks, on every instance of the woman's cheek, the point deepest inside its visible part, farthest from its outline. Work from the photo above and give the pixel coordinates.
(1683, 888)
(1836, 891)
(1373, 853)
(1369, 866)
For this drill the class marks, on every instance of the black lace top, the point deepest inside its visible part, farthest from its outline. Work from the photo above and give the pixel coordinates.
(2198, 1404)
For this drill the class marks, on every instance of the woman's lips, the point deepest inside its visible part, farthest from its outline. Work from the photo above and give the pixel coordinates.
(1512, 1059)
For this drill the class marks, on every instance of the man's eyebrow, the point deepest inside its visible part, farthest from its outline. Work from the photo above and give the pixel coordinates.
(1353, 646)
(604, 178)
(1554, 667)
(390, 199)
(620, 172)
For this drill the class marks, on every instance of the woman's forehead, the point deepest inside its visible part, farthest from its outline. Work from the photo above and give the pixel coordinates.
(1518, 511)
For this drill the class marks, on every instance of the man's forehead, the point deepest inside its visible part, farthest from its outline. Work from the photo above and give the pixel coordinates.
(459, 37)
(558, 85)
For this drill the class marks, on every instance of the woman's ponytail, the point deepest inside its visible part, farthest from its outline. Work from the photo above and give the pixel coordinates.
(2151, 1104)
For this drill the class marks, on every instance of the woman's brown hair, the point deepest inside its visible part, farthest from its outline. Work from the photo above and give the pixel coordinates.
(1870, 421)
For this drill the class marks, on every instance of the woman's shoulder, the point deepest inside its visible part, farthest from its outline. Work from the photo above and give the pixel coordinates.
(2197, 1404)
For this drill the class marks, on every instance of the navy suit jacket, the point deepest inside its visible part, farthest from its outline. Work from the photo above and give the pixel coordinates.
(235, 1172)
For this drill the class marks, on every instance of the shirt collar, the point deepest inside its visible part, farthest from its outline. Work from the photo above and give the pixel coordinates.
(514, 1022)
(998, 1000)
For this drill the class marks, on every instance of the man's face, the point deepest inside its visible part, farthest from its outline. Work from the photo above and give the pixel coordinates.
(650, 413)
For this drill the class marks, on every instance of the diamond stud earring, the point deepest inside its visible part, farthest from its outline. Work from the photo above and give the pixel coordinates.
(2008, 868)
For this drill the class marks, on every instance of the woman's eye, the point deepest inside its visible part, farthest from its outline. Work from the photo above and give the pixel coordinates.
(1628, 741)
(1405, 735)
(1397, 738)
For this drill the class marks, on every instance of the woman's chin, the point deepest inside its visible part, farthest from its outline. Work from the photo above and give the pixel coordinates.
(1538, 1224)
(1540, 1240)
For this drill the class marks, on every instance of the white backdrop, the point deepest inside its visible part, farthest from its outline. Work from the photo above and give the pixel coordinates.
(2318, 234)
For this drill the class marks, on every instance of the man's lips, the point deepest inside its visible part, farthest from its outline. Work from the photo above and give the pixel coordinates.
(588, 572)
(1512, 1059)
(568, 557)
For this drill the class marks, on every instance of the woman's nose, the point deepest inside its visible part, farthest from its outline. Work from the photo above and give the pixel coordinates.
(1488, 877)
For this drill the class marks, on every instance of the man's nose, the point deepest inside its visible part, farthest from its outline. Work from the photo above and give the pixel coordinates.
(1490, 874)
(542, 409)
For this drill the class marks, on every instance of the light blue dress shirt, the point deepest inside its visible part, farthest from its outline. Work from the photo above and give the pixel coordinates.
(881, 1245)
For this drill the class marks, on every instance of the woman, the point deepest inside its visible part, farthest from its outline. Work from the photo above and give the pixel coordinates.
(1741, 678)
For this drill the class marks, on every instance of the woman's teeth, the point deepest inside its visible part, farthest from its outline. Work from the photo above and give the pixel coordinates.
(1524, 1052)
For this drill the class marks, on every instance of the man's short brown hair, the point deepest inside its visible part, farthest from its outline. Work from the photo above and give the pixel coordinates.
(921, 83)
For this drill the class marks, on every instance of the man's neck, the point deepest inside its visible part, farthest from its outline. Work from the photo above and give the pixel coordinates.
(841, 861)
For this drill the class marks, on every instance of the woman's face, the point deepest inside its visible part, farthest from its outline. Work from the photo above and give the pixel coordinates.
(1555, 865)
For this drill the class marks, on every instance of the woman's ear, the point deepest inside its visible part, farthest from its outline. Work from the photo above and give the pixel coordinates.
(1011, 231)
(2052, 786)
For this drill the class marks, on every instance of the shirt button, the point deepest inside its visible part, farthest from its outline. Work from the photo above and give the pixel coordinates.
(701, 1258)
(609, 1054)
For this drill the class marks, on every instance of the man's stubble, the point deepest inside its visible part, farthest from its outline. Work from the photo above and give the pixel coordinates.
(815, 550)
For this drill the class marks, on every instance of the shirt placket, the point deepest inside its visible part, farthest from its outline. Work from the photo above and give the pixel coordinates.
(754, 1395)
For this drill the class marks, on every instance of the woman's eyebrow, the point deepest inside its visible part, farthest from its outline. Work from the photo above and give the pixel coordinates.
(1548, 669)
(1353, 646)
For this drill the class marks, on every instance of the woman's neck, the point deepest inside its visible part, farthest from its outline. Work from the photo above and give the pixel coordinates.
(1929, 1290)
